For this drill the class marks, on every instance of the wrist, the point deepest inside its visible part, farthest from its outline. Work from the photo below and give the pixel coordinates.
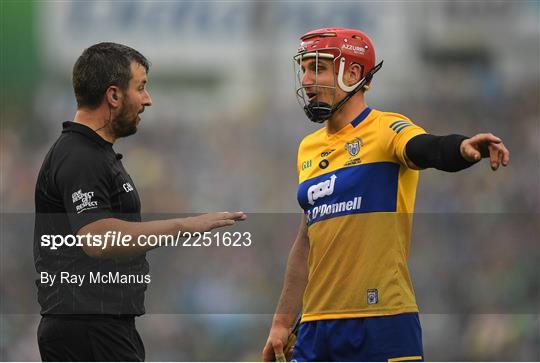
(181, 224)
(283, 320)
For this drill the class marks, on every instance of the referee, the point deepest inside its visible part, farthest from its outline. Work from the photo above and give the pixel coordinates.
(83, 188)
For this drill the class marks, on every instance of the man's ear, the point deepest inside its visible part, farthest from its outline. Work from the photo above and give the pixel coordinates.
(354, 75)
(113, 96)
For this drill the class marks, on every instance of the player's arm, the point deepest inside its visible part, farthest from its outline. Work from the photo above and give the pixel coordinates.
(455, 152)
(202, 223)
(290, 301)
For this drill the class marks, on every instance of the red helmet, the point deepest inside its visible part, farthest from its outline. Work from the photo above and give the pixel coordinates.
(344, 46)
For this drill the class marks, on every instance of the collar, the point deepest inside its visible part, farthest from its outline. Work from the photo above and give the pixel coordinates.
(361, 117)
(70, 126)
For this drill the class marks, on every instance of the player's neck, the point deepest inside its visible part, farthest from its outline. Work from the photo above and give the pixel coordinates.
(98, 120)
(346, 114)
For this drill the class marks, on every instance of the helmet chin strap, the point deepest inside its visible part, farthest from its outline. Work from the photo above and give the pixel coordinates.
(322, 111)
(318, 113)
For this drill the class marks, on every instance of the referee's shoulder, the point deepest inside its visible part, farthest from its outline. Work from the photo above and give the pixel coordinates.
(76, 148)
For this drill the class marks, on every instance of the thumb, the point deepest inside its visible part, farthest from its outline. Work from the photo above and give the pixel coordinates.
(470, 153)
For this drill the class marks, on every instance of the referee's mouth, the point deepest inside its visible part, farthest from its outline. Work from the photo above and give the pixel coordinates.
(138, 115)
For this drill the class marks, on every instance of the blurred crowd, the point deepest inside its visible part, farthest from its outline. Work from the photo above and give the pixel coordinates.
(475, 249)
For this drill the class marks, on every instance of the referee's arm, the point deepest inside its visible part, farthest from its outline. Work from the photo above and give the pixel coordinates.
(453, 153)
(202, 223)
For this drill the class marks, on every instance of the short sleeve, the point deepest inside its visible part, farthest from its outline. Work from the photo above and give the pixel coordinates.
(395, 131)
(83, 181)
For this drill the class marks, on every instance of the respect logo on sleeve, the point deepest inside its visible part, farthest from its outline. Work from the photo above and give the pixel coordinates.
(84, 199)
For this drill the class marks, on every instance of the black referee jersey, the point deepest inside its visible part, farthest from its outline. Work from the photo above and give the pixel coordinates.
(82, 180)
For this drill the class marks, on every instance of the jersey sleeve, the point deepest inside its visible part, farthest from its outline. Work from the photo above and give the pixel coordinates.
(394, 132)
(83, 181)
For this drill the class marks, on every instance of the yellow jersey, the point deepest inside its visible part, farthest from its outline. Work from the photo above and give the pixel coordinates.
(358, 197)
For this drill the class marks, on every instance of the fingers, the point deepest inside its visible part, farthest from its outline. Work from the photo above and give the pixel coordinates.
(277, 345)
(289, 353)
(493, 156)
(486, 145)
(505, 156)
(273, 350)
(236, 216)
(485, 138)
(498, 155)
(481, 142)
(268, 353)
(221, 219)
(223, 223)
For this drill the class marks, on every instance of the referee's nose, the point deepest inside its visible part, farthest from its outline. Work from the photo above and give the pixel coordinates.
(147, 100)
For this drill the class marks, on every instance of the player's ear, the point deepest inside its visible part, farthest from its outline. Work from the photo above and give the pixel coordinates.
(113, 96)
(354, 75)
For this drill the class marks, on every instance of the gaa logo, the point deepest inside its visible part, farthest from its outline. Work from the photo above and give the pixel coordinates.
(372, 296)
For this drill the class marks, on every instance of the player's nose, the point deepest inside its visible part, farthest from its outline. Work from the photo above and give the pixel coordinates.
(307, 79)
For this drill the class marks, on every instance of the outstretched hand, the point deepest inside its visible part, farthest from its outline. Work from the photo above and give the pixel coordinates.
(483, 146)
(210, 221)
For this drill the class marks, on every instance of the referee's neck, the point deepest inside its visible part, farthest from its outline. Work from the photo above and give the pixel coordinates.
(98, 120)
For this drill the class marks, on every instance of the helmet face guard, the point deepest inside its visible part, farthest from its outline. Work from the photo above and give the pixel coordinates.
(316, 111)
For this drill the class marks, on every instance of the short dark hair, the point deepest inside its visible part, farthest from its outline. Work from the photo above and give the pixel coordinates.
(101, 66)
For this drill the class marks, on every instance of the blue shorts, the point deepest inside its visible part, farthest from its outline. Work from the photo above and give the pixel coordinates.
(382, 339)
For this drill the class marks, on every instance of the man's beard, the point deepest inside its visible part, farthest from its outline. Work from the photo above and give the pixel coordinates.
(123, 125)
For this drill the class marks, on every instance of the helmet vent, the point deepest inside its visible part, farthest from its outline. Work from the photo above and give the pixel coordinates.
(322, 35)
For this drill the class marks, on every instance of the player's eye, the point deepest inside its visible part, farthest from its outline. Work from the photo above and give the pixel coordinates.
(314, 68)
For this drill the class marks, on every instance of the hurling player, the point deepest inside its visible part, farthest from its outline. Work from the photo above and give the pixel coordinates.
(347, 269)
